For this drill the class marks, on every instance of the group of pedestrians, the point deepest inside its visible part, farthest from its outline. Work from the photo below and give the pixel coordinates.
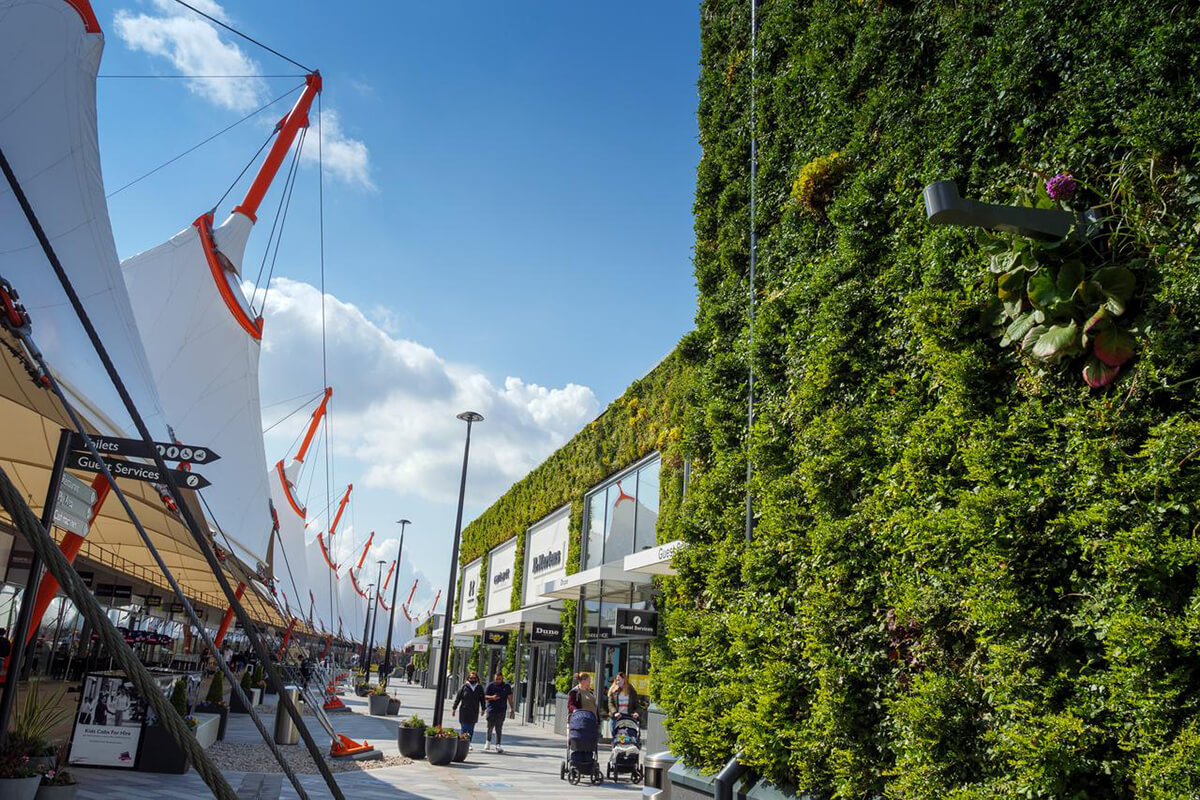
(495, 701)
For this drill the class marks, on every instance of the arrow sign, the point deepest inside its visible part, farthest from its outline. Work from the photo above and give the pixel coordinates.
(136, 448)
(138, 472)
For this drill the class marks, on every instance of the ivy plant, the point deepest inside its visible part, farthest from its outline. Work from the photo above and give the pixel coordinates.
(1063, 299)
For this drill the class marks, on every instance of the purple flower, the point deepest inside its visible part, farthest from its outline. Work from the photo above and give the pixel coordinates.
(1062, 186)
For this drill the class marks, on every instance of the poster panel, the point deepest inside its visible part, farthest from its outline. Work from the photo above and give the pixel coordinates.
(108, 726)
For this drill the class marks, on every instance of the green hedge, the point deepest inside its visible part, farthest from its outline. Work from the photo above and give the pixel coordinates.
(973, 577)
(647, 417)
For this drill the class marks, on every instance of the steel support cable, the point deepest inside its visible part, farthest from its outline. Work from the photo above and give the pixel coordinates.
(185, 512)
(75, 589)
(248, 38)
(277, 222)
(197, 146)
(193, 618)
(289, 188)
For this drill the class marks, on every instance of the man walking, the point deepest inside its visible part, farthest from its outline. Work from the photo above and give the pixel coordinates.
(499, 698)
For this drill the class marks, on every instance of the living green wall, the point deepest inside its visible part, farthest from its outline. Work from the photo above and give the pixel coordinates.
(972, 576)
(647, 417)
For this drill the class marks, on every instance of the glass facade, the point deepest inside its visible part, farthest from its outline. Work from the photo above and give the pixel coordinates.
(622, 515)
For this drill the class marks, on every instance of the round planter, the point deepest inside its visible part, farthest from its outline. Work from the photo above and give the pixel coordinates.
(412, 742)
(440, 750)
(393, 707)
(362, 690)
(378, 705)
(464, 746)
(19, 788)
(57, 792)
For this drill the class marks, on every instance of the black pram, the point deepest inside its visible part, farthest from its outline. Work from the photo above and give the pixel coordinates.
(625, 758)
(583, 738)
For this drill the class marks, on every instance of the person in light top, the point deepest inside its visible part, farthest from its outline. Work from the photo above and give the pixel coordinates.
(622, 698)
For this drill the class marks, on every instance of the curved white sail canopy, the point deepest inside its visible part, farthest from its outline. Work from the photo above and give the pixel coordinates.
(203, 348)
(49, 55)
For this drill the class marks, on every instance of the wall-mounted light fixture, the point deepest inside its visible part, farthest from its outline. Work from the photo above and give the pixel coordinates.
(944, 206)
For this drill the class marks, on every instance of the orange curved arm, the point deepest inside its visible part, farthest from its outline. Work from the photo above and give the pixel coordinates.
(354, 583)
(388, 579)
(325, 553)
(341, 507)
(288, 127)
(366, 547)
(317, 414)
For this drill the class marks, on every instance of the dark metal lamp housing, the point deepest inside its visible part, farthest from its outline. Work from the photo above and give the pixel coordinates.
(944, 206)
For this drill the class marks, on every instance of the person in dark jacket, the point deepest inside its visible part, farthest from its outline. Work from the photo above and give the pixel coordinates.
(468, 703)
(499, 696)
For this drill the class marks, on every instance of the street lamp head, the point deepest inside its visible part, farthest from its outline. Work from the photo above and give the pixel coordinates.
(404, 522)
(382, 561)
(471, 416)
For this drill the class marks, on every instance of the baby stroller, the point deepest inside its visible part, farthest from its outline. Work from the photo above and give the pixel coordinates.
(582, 759)
(626, 750)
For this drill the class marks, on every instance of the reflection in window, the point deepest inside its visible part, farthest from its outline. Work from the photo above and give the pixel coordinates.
(623, 515)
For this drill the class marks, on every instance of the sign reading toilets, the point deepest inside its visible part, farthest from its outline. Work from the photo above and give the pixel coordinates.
(469, 601)
(501, 563)
(545, 554)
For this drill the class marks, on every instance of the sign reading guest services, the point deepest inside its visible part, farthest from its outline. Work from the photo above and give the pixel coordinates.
(501, 563)
(545, 554)
(636, 622)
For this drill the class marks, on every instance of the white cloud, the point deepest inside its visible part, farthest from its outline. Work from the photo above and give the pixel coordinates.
(395, 402)
(346, 159)
(194, 46)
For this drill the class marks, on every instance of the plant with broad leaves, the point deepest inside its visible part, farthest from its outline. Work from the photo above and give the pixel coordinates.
(1058, 300)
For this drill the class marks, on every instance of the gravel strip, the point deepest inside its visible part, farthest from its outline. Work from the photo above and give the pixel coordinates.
(257, 758)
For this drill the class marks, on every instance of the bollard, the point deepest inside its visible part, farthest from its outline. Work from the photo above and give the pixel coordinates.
(286, 731)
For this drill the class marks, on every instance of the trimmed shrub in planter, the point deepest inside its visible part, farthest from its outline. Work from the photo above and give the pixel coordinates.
(441, 745)
(411, 737)
(214, 703)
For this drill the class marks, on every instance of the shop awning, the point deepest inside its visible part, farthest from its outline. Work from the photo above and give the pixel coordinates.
(568, 588)
(654, 560)
(511, 620)
(472, 627)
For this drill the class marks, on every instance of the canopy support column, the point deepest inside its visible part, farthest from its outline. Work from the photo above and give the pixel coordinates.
(241, 590)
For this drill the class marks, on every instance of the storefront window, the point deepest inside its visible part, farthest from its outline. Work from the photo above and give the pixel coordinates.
(623, 515)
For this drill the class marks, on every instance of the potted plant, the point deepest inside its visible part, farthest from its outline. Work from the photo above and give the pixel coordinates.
(464, 747)
(260, 682)
(393, 709)
(18, 780)
(160, 752)
(379, 700)
(441, 745)
(214, 703)
(411, 737)
(57, 782)
(33, 722)
(235, 703)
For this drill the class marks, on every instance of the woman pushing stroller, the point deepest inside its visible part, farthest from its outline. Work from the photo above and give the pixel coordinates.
(583, 721)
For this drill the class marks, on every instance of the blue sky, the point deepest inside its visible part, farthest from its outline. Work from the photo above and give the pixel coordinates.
(507, 218)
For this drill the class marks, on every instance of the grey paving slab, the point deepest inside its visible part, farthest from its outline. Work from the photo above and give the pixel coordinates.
(529, 767)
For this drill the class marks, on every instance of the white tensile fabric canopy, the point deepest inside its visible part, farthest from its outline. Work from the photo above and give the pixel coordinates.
(49, 56)
(203, 347)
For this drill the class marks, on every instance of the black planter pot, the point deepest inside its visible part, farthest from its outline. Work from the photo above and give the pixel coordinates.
(236, 706)
(440, 750)
(362, 690)
(412, 742)
(161, 753)
(214, 708)
(464, 746)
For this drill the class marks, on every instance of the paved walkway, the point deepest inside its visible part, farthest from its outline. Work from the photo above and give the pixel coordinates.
(529, 767)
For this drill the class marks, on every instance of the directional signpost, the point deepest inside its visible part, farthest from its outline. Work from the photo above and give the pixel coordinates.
(136, 448)
(73, 508)
(138, 472)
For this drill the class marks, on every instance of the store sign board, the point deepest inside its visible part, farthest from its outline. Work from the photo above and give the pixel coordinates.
(545, 632)
(108, 723)
(469, 602)
(636, 622)
(545, 554)
(495, 638)
(501, 563)
(153, 601)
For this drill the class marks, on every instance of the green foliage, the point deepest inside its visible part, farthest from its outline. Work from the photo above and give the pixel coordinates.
(216, 690)
(35, 719)
(247, 682)
(179, 700)
(972, 576)
(260, 680)
(814, 185)
(413, 722)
